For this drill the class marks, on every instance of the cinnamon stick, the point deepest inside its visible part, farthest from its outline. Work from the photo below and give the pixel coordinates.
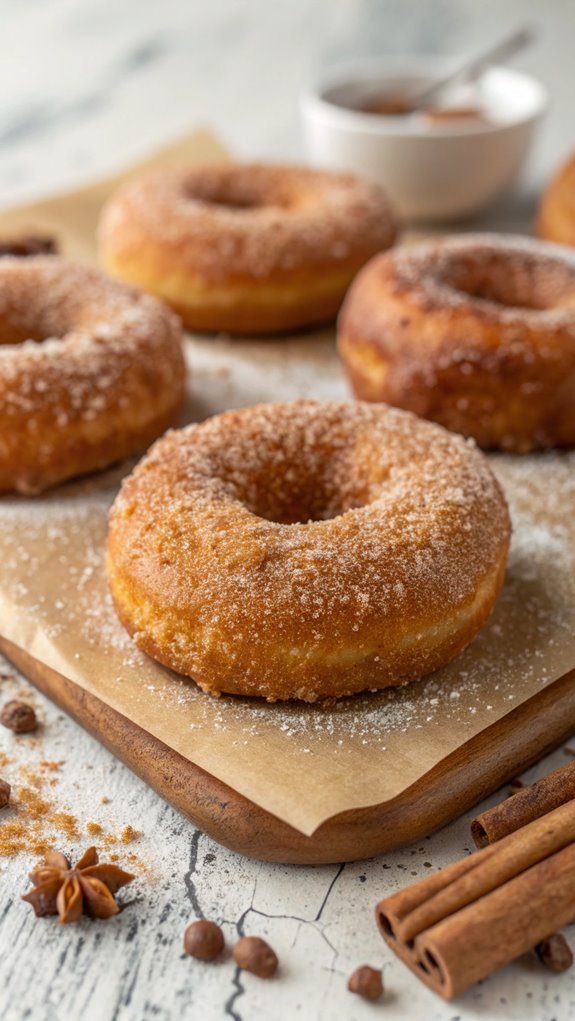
(527, 804)
(542, 796)
(456, 927)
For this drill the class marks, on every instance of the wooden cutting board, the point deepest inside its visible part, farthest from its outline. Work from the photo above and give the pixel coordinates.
(479, 767)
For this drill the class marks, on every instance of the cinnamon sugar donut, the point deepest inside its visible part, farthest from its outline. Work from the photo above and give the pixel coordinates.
(475, 332)
(556, 216)
(90, 371)
(245, 248)
(307, 550)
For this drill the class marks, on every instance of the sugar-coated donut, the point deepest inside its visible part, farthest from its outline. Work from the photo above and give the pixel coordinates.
(556, 216)
(475, 332)
(90, 371)
(245, 248)
(307, 550)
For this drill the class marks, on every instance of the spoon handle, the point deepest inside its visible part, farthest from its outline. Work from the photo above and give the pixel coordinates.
(472, 67)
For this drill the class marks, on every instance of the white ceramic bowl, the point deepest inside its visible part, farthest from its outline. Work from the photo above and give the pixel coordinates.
(430, 172)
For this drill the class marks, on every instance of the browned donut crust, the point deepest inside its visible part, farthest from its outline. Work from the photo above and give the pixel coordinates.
(475, 332)
(245, 248)
(307, 550)
(90, 371)
(556, 216)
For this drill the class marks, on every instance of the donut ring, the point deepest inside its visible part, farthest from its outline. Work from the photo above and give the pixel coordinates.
(307, 550)
(475, 332)
(245, 248)
(556, 216)
(90, 371)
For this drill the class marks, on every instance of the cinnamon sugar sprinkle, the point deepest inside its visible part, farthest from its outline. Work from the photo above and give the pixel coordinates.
(508, 278)
(129, 834)
(65, 324)
(534, 614)
(250, 218)
(35, 820)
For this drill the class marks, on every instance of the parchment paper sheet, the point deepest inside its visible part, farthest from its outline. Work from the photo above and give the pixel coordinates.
(301, 763)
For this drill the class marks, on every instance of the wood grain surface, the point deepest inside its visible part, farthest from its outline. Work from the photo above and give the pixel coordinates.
(463, 778)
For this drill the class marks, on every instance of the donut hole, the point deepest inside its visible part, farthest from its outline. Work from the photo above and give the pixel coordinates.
(28, 314)
(230, 195)
(292, 501)
(298, 486)
(236, 192)
(519, 281)
(18, 332)
(232, 202)
(304, 512)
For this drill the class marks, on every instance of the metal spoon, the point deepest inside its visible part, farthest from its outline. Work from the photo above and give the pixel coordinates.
(471, 68)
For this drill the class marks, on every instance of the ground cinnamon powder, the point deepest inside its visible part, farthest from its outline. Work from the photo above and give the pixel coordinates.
(129, 834)
(33, 822)
(66, 824)
(27, 824)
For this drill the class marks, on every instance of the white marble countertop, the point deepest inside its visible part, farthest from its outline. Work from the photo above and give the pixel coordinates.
(85, 88)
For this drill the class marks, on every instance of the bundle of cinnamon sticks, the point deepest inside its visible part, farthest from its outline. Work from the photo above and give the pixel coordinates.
(456, 927)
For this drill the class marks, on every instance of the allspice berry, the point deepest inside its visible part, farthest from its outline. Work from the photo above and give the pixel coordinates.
(555, 953)
(366, 982)
(4, 793)
(253, 954)
(18, 717)
(204, 940)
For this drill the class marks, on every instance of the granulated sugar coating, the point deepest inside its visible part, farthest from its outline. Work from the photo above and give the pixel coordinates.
(233, 220)
(90, 371)
(304, 763)
(475, 332)
(307, 549)
(506, 278)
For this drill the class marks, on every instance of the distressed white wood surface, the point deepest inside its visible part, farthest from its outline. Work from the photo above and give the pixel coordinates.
(318, 919)
(86, 87)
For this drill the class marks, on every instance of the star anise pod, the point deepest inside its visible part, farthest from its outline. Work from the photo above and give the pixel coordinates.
(88, 888)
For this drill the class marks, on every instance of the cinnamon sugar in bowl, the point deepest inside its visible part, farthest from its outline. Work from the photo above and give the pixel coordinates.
(432, 168)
